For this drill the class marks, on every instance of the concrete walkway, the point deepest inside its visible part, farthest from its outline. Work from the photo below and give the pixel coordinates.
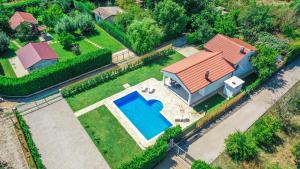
(209, 146)
(61, 140)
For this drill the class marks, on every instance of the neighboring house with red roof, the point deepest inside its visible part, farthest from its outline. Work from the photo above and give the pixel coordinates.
(107, 13)
(203, 74)
(36, 55)
(21, 17)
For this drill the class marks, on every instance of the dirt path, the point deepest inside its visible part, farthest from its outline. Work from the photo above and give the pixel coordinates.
(10, 147)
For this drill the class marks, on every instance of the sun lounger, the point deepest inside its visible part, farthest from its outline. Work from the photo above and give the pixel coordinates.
(144, 88)
(151, 89)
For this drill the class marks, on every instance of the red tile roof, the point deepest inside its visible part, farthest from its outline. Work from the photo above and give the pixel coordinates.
(231, 47)
(20, 17)
(191, 70)
(32, 53)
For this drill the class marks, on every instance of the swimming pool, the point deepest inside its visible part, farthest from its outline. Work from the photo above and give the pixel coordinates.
(144, 115)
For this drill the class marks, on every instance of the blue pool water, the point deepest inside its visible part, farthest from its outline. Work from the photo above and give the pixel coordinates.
(145, 115)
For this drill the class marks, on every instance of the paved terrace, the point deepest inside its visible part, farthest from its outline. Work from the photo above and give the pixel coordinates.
(209, 145)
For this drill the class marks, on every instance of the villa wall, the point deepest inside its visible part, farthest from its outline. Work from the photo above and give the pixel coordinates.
(42, 64)
(244, 66)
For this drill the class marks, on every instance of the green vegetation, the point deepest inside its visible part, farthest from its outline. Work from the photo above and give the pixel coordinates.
(55, 74)
(274, 140)
(103, 39)
(104, 90)
(198, 164)
(241, 147)
(4, 42)
(154, 154)
(66, 55)
(5, 66)
(210, 104)
(109, 136)
(296, 153)
(32, 148)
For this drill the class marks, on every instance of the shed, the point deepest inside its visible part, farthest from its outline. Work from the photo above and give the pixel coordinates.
(233, 86)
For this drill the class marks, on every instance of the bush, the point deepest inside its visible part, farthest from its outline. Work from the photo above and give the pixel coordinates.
(85, 23)
(52, 75)
(104, 77)
(296, 153)
(154, 154)
(264, 131)
(272, 42)
(4, 42)
(241, 147)
(25, 32)
(32, 147)
(198, 164)
(65, 25)
(67, 40)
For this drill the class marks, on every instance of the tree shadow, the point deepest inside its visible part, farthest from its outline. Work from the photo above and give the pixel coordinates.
(272, 148)
(8, 54)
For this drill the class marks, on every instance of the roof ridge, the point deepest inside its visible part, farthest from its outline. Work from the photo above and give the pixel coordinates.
(231, 40)
(216, 53)
(35, 49)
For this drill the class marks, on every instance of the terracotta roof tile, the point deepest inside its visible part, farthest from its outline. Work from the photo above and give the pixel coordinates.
(20, 17)
(191, 70)
(35, 52)
(231, 47)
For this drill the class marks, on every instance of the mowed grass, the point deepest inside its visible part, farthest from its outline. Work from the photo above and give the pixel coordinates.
(5, 66)
(103, 39)
(210, 104)
(65, 55)
(109, 136)
(114, 86)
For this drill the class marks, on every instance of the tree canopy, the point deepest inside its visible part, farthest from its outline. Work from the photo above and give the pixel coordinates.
(4, 42)
(144, 35)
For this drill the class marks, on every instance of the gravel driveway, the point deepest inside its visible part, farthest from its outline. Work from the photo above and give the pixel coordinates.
(61, 140)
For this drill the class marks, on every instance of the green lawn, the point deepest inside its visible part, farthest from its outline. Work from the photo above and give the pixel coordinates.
(112, 87)
(210, 104)
(109, 136)
(103, 39)
(65, 55)
(5, 66)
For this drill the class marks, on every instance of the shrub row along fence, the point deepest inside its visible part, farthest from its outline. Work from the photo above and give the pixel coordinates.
(112, 74)
(154, 154)
(60, 72)
(31, 145)
(21, 5)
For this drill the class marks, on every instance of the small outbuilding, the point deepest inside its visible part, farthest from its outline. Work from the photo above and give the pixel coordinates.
(21, 17)
(107, 13)
(233, 86)
(36, 55)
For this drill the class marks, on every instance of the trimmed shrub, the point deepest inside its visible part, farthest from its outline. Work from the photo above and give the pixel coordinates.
(22, 4)
(241, 147)
(198, 164)
(104, 77)
(115, 32)
(31, 145)
(52, 75)
(154, 154)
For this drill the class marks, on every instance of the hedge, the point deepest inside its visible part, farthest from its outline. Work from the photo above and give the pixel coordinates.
(52, 75)
(104, 77)
(115, 32)
(21, 5)
(154, 154)
(32, 147)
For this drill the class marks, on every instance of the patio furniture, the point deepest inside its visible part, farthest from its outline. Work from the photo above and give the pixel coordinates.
(151, 90)
(144, 88)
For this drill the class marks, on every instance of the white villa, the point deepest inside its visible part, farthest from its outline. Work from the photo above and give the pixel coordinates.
(225, 60)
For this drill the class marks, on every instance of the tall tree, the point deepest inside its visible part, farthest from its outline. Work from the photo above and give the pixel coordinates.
(144, 35)
(171, 17)
(4, 42)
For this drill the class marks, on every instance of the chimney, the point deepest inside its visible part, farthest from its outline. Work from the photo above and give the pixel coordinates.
(207, 75)
(242, 50)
